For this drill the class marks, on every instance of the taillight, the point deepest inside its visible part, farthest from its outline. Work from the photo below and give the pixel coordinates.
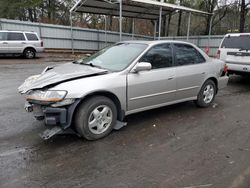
(41, 43)
(225, 68)
(218, 54)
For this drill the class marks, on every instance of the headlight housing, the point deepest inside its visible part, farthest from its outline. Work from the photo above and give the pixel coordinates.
(48, 96)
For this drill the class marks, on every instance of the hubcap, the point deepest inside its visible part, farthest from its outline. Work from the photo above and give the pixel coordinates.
(29, 54)
(208, 94)
(100, 119)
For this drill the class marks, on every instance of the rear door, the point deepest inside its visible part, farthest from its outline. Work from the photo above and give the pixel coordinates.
(191, 69)
(3, 43)
(16, 42)
(235, 49)
(147, 89)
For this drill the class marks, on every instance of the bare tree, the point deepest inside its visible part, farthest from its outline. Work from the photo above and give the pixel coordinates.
(243, 11)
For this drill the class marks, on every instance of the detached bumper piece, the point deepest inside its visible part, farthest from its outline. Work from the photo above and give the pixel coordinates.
(54, 117)
(57, 120)
(48, 133)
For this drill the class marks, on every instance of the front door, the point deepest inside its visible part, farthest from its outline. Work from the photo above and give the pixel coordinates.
(153, 88)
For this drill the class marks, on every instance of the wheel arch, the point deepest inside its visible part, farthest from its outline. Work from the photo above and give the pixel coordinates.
(111, 96)
(214, 80)
(29, 47)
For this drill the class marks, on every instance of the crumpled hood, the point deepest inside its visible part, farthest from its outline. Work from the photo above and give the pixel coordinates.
(58, 74)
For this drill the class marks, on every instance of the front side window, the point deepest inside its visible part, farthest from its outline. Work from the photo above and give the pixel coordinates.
(116, 57)
(3, 36)
(160, 56)
(16, 36)
(31, 36)
(187, 55)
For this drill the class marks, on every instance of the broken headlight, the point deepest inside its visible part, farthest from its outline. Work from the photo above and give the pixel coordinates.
(50, 96)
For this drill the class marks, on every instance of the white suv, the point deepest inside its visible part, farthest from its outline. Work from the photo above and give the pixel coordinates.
(235, 51)
(18, 42)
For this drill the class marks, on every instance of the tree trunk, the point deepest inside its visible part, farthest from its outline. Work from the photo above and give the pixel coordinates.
(179, 24)
(211, 6)
(49, 9)
(242, 16)
(164, 26)
(110, 23)
(30, 12)
(208, 21)
(168, 25)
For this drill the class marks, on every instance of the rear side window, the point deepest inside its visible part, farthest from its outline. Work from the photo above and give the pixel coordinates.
(3, 36)
(239, 42)
(160, 56)
(15, 36)
(31, 36)
(187, 55)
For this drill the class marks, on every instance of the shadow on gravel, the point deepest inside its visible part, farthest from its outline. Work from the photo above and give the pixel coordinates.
(240, 81)
(16, 57)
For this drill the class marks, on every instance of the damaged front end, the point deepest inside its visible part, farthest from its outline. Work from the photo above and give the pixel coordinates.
(51, 107)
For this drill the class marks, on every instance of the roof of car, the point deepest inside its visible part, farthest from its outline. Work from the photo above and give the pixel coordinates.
(153, 42)
(236, 34)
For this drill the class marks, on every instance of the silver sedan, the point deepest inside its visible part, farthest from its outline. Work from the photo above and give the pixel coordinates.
(93, 95)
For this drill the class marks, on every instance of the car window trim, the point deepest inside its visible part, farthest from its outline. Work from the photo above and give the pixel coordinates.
(18, 33)
(174, 50)
(32, 34)
(6, 35)
(144, 53)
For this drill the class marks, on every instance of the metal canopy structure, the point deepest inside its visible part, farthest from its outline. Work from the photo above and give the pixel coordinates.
(140, 9)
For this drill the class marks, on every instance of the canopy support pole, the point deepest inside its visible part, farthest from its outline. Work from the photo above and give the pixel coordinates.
(120, 20)
(160, 17)
(71, 31)
(105, 19)
(155, 25)
(133, 28)
(188, 29)
(210, 30)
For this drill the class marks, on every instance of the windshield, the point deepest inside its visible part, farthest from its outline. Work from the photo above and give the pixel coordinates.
(116, 57)
(239, 42)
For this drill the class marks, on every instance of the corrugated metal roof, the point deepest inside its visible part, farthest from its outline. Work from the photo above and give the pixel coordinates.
(143, 9)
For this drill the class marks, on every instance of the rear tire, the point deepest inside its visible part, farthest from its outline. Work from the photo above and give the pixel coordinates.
(29, 53)
(95, 117)
(206, 95)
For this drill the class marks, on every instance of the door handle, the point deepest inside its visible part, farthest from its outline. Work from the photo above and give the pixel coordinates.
(203, 73)
(23, 42)
(5, 42)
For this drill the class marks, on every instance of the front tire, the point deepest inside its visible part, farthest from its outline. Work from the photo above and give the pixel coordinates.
(96, 117)
(206, 95)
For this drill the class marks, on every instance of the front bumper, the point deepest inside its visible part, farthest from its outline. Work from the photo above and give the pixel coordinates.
(60, 116)
(56, 119)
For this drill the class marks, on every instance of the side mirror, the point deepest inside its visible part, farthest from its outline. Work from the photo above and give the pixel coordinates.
(142, 66)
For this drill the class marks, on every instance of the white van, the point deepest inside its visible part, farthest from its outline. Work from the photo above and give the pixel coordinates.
(235, 51)
(19, 42)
